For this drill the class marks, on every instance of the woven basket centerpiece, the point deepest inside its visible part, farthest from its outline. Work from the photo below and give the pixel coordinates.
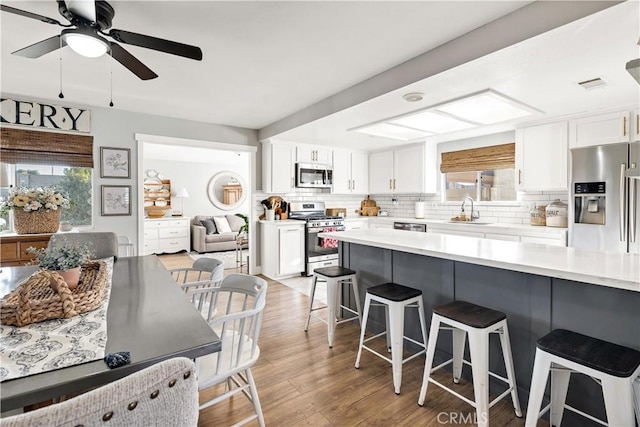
(36, 222)
(34, 300)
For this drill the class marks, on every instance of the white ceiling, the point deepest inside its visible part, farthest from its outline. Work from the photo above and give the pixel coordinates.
(266, 60)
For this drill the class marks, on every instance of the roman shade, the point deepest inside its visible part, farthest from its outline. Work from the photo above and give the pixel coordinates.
(52, 148)
(479, 159)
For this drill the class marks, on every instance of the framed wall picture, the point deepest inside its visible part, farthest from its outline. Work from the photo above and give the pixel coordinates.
(116, 200)
(115, 162)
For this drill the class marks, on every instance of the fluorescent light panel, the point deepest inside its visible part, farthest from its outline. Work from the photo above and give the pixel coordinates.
(486, 108)
(482, 108)
(392, 131)
(433, 122)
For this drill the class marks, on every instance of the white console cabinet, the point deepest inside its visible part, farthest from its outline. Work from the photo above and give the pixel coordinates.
(166, 235)
(282, 248)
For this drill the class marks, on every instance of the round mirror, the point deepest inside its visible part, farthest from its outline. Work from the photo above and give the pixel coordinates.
(227, 190)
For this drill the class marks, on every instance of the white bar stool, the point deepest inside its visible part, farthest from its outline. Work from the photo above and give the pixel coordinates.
(478, 322)
(395, 298)
(613, 366)
(334, 277)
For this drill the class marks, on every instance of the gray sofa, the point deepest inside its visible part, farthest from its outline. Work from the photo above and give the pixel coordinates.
(204, 238)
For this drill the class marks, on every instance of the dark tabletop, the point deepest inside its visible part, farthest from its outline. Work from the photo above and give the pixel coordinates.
(148, 315)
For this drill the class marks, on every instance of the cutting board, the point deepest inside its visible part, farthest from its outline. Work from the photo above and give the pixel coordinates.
(367, 203)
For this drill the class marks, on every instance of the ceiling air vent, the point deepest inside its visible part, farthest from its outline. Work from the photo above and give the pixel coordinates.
(592, 83)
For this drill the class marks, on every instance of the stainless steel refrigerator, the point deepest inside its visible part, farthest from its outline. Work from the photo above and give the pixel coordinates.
(603, 213)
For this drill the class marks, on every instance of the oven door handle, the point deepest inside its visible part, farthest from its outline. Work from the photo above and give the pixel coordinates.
(321, 229)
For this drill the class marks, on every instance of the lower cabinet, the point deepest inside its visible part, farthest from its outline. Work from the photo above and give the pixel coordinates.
(14, 248)
(166, 235)
(556, 238)
(282, 248)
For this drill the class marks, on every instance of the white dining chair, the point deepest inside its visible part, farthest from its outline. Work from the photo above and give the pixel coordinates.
(202, 269)
(164, 394)
(239, 300)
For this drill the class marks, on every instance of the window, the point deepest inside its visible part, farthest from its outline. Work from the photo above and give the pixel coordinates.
(485, 174)
(74, 181)
(44, 159)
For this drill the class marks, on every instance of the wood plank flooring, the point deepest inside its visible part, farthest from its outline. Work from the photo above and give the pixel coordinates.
(302, 382)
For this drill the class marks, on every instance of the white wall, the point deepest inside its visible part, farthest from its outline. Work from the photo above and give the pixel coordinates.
(193, 168)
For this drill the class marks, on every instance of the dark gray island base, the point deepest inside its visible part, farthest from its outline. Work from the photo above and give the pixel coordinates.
(534, 305)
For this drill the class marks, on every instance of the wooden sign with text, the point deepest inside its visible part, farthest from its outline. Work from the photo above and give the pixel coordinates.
(40, 115)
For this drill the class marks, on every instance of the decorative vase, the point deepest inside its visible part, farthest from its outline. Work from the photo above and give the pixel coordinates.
(36, 222)
(71, 277)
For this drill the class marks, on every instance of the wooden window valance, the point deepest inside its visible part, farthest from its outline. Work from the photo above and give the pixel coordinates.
(479, 159)
(52, 148)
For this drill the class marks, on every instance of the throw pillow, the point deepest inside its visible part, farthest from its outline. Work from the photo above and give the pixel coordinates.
(235, 222)
(209, 225)
(222, 224)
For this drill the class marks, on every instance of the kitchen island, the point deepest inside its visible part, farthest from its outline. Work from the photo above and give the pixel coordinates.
(539, 287)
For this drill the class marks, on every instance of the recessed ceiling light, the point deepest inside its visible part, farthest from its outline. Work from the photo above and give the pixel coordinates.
(413, 96)
(392, 131)
(433, 122)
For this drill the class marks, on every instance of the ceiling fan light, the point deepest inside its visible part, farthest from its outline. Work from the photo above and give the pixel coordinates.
(86, 44)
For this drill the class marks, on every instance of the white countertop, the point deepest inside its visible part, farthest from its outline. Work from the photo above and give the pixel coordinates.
(283, 222)
(621, 271)
(493, 227)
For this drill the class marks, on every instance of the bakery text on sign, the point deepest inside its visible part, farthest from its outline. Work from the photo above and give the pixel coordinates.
(36, 114)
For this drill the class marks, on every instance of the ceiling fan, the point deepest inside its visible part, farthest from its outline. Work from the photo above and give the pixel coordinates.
(91, 20)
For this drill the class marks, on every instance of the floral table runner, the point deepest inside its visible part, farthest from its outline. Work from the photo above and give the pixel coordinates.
(57, 343)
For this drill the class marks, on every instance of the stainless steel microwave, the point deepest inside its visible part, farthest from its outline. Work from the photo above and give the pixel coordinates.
(313, 175)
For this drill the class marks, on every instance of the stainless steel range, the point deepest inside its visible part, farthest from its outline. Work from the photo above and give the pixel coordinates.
(319, 252)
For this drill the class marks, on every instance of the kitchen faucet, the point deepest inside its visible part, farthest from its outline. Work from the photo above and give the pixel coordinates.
(471, 217)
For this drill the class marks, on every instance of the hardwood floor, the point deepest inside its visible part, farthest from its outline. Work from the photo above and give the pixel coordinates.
(302, 382)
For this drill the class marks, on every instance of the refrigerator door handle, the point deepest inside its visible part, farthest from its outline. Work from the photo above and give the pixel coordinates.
(633, 201)
(623, 203)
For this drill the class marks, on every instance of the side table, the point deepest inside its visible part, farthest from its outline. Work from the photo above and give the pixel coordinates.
(240, 241)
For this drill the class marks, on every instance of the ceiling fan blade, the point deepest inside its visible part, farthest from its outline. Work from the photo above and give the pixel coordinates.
(167, 46)
(43, 47)
(31, 15)
(84, 8)
(131, 62)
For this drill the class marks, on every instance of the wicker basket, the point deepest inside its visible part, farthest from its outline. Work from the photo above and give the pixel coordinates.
(35, 301)
(36, 222)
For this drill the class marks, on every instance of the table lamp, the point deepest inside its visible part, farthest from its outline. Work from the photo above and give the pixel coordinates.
(180, 194)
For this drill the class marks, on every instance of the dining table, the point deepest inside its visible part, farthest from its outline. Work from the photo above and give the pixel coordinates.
(148, 316)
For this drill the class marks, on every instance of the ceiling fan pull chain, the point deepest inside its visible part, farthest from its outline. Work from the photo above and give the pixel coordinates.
(60, 95)
(111, 77)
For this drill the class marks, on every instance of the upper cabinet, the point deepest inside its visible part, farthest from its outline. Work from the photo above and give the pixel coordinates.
(603, 129)
(278, 167)
(542, 157)
(313, 154)
(409, 169)
(350, 172)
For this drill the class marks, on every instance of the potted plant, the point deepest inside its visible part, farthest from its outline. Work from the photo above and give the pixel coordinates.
(245, 228)
(36, 210)
(64, 260)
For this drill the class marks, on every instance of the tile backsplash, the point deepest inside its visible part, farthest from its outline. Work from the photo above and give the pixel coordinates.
(506, 212)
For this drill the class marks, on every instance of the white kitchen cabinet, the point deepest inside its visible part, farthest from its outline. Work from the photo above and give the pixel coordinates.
(552, 240)
(278, 167)
(380, 223)
(436, 230)
(350, 172)
(542, 157)
(166, 235)
(635, 125)
(355, 224)
(381, 172)
(506, 237)
(408, 169)
(600, 129)
(313, 154)
(282, 248)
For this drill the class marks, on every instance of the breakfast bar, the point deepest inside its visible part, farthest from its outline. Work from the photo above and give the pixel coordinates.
(539, 287)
